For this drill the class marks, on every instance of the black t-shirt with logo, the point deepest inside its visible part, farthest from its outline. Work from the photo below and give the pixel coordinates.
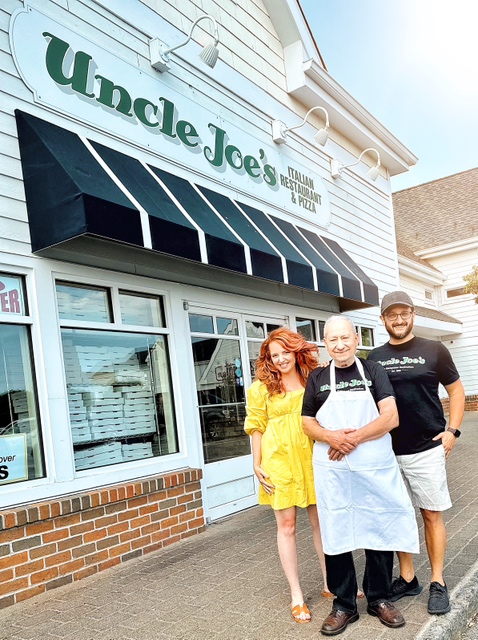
(415, 369)
(346, 379)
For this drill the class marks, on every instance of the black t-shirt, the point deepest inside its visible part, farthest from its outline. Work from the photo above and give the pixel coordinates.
(415, 369)
(346, 379)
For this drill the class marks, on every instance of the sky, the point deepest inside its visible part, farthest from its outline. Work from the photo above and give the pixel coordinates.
(413, 64)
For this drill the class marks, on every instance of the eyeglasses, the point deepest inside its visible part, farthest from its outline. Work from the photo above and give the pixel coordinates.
(405, 315)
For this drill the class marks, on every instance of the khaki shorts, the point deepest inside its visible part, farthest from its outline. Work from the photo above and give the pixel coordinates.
(425, 475)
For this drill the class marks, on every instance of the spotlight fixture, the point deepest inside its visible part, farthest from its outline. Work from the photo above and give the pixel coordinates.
(336, 167)
(159, 52)
(279, 130)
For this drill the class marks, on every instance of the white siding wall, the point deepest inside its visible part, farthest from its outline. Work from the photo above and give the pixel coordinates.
(465, 348)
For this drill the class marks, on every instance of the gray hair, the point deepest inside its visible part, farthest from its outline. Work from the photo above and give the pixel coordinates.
(334, 318)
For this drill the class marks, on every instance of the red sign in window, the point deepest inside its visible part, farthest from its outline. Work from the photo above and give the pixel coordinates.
(11, 299)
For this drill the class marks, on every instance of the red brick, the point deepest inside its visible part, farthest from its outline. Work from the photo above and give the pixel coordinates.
(44, 576)
(6, 574)
(169, 522)
(55, 509)
(30, 593)
(58, 558)
(83, 550)
(70, 543)
(137, 502)
(160, 535)
(118, 551)
(97, 558)
(12, 586)
(82, 528)
(114, 495)
(158, 496)
(189, 515)
(197, 522)
(71, 567)
(9, 520)
(130, 535)
(149, 528)
(29, 567)
(95, 499)
(93, 536)
(106, 521)
(119, 527)
(67, 521)
(85, 573)
(175, 491)
(179, 528)
(150, 508)
(13, 560)
(44, 550)
(38, 527)
(140, 522)
(177, 510)
(152, 547)
(54, 536)
(140, 542)
(112, 562)
(128, 515)
(9, 535)
(44, 510)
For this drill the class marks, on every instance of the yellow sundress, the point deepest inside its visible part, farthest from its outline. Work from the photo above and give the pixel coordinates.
(286, 450)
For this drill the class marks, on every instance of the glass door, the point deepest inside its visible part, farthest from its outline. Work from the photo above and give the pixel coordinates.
(223, 365)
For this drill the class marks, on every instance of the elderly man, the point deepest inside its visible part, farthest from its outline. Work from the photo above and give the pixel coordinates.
(422, 442)
(349, 409)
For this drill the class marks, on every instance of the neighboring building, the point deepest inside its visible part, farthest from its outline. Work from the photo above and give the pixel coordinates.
(152, 232)
(437, 240)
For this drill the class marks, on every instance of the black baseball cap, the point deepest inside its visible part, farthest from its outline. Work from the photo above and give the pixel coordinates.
(395, 297)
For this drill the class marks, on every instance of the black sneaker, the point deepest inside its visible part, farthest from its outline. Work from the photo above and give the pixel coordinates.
(438, 601)
(400, 587)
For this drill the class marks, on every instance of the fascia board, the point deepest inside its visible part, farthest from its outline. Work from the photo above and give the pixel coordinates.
(312, 85)
(436, 328)
(420, 272)
(449, 249)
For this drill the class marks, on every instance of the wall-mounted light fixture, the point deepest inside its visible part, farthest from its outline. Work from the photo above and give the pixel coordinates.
(279, 130)
(336, 167)
(159, 52)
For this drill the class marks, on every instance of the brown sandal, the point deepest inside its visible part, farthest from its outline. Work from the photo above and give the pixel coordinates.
(297, 610)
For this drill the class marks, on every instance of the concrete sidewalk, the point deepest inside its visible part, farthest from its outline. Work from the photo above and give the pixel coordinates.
(227, 583)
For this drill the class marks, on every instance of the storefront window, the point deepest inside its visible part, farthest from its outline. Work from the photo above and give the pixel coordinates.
(146, 311)
(21, 452)
(119, 388)
(307, 329)
(76, 302)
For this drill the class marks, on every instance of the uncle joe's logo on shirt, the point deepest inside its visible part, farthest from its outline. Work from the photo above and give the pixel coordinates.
(344, 384)
(406, 360)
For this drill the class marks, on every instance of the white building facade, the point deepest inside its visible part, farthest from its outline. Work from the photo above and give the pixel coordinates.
(152, 233)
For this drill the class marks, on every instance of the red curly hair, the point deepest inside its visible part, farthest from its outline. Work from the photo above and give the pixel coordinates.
(306, 355)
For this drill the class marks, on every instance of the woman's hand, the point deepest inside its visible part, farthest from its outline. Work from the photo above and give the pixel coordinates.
(264, 480)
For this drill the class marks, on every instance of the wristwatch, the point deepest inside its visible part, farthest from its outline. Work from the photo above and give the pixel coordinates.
(455, 432)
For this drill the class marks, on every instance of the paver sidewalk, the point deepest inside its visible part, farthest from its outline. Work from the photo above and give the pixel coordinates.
(227, 583)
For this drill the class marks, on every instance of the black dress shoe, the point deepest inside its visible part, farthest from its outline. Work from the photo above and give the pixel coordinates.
(388, 615)
(337, 621)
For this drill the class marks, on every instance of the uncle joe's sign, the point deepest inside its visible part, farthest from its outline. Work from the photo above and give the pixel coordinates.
(71, 74)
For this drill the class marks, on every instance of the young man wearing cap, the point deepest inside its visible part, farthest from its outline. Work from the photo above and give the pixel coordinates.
(422, 442)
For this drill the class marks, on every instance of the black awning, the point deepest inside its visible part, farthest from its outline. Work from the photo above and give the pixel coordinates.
(78, 189)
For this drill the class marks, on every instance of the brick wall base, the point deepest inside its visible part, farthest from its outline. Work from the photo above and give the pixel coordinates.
(471, 404)
(51, 544)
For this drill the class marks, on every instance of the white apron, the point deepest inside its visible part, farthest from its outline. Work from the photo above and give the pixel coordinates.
(362, 500)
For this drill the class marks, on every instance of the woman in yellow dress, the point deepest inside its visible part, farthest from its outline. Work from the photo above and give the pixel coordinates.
(282, 453)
